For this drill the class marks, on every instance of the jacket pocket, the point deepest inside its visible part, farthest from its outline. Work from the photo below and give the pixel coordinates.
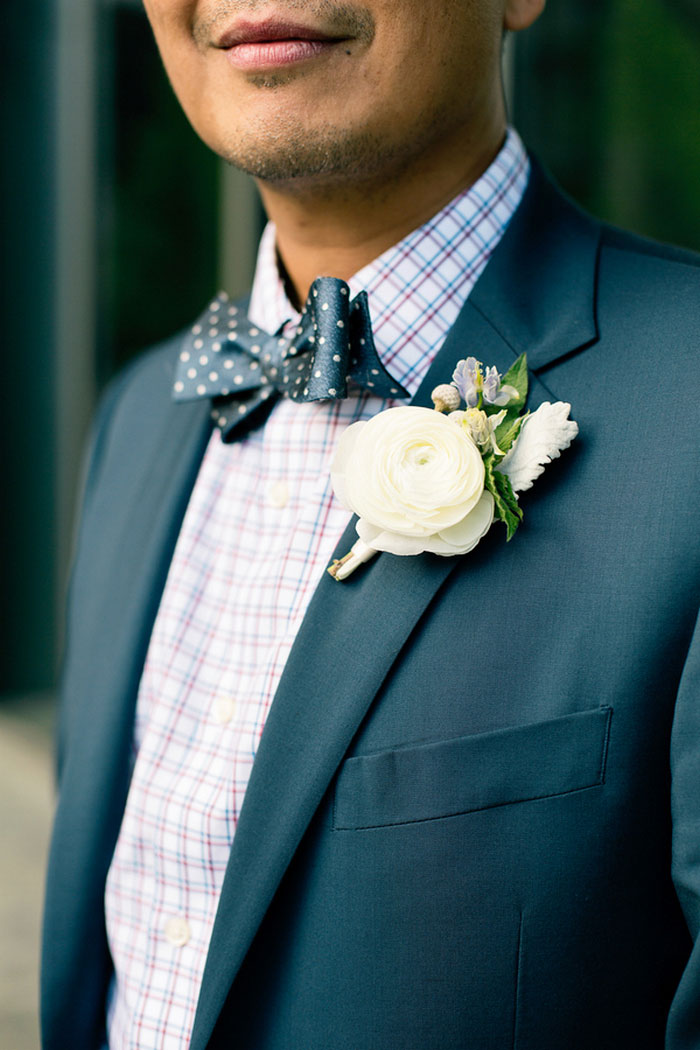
(451, 777)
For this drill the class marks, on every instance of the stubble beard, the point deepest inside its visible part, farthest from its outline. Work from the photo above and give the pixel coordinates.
(329, 156)
(294, 156)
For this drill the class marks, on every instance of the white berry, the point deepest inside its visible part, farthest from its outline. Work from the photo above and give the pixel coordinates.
(446, 398)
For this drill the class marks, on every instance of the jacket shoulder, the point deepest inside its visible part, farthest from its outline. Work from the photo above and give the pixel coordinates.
(651, 288)
(616, 239)
(149, 376)
(137, 398)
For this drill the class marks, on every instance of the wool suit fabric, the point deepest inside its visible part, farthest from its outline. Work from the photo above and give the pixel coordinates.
(473, 822)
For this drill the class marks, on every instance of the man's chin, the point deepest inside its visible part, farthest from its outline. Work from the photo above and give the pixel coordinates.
(303, 160)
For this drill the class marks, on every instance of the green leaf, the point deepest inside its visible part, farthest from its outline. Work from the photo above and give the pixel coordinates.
(506, 433)
(517, 376)
(506, 507)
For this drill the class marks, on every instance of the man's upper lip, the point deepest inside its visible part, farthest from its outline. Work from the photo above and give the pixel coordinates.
(243, 32)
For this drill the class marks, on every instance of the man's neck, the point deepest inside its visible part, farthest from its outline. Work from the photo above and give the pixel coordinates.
(335, 230)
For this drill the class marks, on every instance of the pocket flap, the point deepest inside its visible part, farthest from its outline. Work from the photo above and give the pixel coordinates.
(450, 777)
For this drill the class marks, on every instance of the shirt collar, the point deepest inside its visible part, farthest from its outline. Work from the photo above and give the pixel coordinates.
(417, 287)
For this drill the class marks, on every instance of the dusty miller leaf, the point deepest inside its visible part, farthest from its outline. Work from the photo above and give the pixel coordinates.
(545, 434)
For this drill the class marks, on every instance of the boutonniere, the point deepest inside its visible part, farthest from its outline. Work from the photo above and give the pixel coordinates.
(435, 480)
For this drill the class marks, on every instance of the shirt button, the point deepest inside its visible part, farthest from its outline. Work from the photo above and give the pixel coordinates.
(177, 931)
(224, 709)
(278, 494)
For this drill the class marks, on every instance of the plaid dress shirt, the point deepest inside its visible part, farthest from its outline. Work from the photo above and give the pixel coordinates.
(260, 529)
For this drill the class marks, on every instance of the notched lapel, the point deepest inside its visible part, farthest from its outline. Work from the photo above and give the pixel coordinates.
(536, 295)
(538, 290)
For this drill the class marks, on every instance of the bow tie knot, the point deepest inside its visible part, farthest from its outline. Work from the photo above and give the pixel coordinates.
(228, 359)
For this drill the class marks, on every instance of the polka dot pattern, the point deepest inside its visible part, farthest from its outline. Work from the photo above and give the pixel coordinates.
(240, 367)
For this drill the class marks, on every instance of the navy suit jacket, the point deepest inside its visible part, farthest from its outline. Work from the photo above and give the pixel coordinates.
(473, 822)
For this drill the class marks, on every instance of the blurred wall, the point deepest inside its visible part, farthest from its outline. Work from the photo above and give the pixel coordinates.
(607, 93)
(27, 416)
(111, 241)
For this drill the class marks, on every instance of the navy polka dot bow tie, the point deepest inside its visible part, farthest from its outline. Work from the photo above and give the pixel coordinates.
(242, 368)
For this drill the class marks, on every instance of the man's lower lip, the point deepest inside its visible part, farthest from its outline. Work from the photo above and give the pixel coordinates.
(274, 53)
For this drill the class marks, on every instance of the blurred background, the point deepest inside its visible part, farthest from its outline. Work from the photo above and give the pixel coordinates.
(118, 224)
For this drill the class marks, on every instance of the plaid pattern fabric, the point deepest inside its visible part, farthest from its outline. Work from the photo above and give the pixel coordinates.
(259, 531)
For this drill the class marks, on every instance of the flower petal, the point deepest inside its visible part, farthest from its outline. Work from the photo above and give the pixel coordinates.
(343, 453)
(505, 394)
(466, 378)
(463, 537)
(458, 539)
(391, 542)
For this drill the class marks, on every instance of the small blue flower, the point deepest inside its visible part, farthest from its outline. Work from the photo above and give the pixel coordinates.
(494, 393)
(467, 378)
(492, 382)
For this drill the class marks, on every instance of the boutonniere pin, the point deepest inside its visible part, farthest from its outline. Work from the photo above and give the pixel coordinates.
(435, 480)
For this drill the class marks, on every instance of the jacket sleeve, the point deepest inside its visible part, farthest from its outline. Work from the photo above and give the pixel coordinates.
(683, 1031)
(89, 473)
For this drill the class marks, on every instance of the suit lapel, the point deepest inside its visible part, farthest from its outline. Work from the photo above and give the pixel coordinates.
(538, 291)
(537, 295)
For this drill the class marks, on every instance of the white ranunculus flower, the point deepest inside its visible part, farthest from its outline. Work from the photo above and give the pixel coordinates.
(415, 480)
